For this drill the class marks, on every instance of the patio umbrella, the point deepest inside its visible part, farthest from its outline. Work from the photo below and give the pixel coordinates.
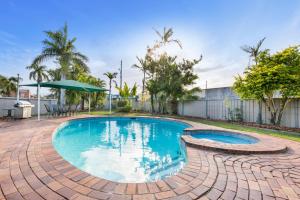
(65, 84)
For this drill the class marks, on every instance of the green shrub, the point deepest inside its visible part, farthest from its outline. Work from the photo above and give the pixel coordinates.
(121, 103)
(126, 108)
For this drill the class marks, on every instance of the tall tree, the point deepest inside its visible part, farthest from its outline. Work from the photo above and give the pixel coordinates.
(275, 74)
(254, 52)
(176, 79)
(110, 76)
(154, 57)
(59, 47)
(38, 73)
(169, 79)
(143, 67)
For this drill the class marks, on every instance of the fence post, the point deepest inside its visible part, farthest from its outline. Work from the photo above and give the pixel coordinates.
(259, 116)
(206, 109)
(242, 109)
(297, 113)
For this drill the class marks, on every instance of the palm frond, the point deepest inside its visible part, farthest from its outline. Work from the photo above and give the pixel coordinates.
(260, 42)
(79, 55)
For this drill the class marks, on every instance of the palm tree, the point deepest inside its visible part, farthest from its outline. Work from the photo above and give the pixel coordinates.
(59, 47)
(166, 37)
(54, 75)
(126, 92)
(143, 67)
(8, 85)
(99, 95)
(110, 76)
(254, 52)
(38, 73)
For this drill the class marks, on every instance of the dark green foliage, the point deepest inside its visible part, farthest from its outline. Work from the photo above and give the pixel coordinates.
(122, 103)
(274, 75)
(126, 109)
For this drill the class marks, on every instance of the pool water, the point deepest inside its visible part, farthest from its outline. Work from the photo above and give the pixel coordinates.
(123, 149)
(225, 137)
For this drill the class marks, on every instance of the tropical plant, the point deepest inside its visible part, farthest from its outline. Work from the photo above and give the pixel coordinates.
(126, 92)
(110, 76)
(176, 78)
(38, 73)
(8, 85)
(152, 86)
(54, 75)
(59, 47)
(274, 74)
(254, 52)
(143, 66)
(98, 97)
(169, 80)
(166, 37)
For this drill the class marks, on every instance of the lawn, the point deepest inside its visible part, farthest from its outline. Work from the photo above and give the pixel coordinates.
(228, 125)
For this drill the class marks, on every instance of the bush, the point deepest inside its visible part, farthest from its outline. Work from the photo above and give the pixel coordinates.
(235, 115)
(121, 103)
(126, 108)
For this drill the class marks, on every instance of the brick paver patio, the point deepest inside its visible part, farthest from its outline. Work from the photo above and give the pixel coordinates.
(31, 169)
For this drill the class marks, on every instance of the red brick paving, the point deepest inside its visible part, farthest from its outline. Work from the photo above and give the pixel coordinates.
(31, 169)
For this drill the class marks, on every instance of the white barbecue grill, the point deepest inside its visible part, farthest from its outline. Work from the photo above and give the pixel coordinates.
(23, 109)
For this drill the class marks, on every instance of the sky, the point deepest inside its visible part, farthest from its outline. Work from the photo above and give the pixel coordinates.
(108, 31)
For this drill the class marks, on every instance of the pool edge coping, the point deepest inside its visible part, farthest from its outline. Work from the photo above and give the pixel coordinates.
(189, 145)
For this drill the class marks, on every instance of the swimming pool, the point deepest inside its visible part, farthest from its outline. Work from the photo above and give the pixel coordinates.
(224, 137)
(123, 149)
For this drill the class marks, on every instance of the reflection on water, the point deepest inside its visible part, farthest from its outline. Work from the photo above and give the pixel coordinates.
(122, 149)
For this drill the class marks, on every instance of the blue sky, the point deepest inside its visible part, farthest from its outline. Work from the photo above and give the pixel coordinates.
(108, 31)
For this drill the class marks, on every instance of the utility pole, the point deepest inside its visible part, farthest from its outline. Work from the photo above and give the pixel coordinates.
(206, 105)
(121, 71)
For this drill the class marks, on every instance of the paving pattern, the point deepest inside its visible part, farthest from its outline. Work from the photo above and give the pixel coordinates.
(31, 169)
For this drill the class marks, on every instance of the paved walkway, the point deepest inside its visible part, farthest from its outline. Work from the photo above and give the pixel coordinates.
(31, 169)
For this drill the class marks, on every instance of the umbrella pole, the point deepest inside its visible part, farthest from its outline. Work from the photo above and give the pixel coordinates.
(39, 106)
(89, 102)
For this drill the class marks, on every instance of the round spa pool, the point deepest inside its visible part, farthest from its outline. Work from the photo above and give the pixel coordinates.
(123, 149)
(224, 137)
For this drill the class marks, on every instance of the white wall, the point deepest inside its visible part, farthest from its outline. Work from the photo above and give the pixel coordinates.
(8, 102)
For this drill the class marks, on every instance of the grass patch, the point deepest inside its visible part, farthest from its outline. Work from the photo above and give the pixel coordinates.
(227, 125)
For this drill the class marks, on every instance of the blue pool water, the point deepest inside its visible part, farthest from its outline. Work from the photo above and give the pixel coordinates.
(122, 149)
(225, 137)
